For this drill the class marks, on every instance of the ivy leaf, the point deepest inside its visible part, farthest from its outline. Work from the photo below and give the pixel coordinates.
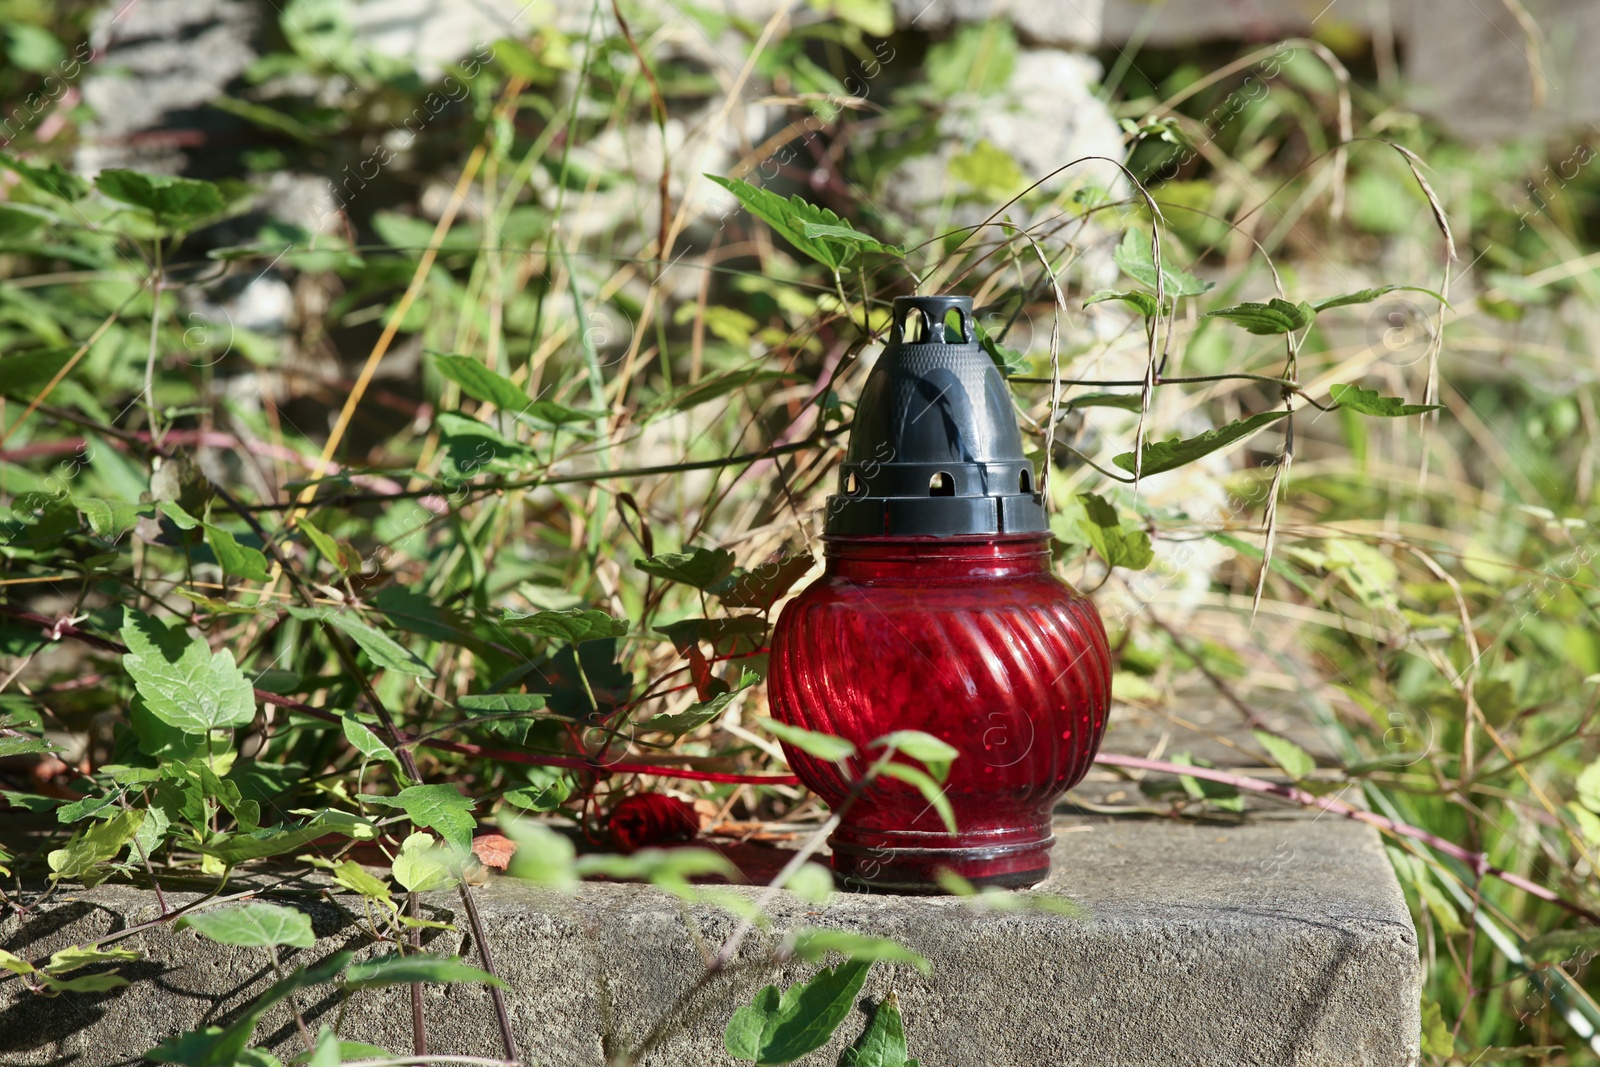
(761, 587)
(184, 683)
(1369, 402)
(1143, 302)
(814, 944)
(1296, 761)
(175, 202)
(255, 925)
(815, 231)
(416, 967)
(701, 568)
(92, 846)
(778, 1028)
(481, 383)
(573, 625)
(1274, 317)
(1133, 256)
(1161, 456)
(1367, 296)
(241, 561)
(884, 1042)
(435, 807)
(822, 746)
(384, 651)
(1117, 545)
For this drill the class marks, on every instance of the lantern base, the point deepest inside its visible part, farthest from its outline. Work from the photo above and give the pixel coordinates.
(911, 861)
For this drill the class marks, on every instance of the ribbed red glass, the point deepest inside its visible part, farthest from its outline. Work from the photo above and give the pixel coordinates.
(974, 641)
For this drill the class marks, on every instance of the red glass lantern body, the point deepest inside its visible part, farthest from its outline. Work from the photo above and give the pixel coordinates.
(972, 640)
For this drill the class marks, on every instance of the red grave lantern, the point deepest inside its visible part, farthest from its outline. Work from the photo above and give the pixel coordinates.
(938, 612)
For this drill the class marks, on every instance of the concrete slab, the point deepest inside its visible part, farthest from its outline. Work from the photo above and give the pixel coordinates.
(1281, 940)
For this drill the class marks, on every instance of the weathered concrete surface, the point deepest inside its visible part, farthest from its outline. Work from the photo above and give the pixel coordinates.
(1281, 941)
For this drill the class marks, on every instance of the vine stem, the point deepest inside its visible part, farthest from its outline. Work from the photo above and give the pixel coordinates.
(507, 1038)
(1478, 861)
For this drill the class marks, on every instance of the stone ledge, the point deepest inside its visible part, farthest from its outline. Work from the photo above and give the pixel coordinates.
(1284, 940)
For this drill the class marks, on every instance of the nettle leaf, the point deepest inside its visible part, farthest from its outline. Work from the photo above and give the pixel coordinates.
(884, 1042)
(1133, 256)
(1142, 302)
(434, 807)
(778, 1028)
(573, 625)
(415, 967)
(1119, 546)
(1274, 317)
(816, 231)
(761, 587)
(184, 683)
(1370, 402)
(177, 202)
(1296, 761)
(822, 746)
(481, 383)
(814, 944)
(1367, 296)
(699, 567)
(89, 849)
(255, 925)
(383, 650)
(1161, 456)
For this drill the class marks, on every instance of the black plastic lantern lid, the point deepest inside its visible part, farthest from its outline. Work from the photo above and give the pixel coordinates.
(935, 449)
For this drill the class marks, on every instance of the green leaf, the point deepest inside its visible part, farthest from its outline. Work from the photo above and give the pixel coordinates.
(328, 1051)
(176, 202)
(416, 967)
(780, 1029)
(822, 746)
(51, 178)
(501, 703)
(1296, 761)
(936, 754)
(701, 568)
(421, 865)
(1589, 787)
(1369, 402)
(1274, 317)
(241, 561)
(1161, 456)
(543, 857)
(111, 519)
(384, 651)
(19, 220)
(255, 925)
(435, 807)
(25, 374)
(815, 944)
(988, 169)
(354, 877)
(574, 625)
(184, 683)
(761, 587)
(473, 447)
(1133, 256)
(1366, 296)
(1119, 546)
(369, 744)
(1436, 1039)
(667, 868)
(884, 1042)
(91, 847)
(833, 245)
(481, 383)
(326, 546)
(237, 848)
(930, 789)
(1143, 302)
(1124, 401)
(70, 959)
